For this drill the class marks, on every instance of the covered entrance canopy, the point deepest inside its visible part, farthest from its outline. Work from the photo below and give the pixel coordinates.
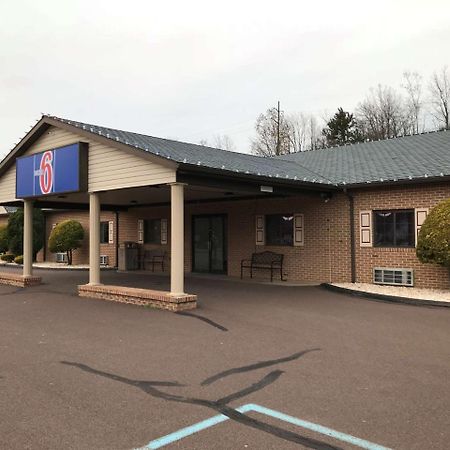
(118, 170)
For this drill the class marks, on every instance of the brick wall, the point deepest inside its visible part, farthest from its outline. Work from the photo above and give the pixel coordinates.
(81, 255)
(405, 197)
(325, 255)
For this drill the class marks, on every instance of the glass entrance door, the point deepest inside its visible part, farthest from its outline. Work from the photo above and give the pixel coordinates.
(209, 244)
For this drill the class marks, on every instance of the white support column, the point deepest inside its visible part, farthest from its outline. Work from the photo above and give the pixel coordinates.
(27, 238)
(94, 238)
(177, 239)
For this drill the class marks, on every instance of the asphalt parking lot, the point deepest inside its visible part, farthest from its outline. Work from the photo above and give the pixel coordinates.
(88, 374)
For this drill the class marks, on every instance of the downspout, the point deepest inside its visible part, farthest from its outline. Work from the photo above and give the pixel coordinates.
(351, 201)
(117, 240)
(44, 252)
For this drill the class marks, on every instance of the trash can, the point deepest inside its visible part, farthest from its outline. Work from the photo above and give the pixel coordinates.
(129, 256)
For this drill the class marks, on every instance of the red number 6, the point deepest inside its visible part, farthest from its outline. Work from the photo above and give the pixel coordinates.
(46, 176)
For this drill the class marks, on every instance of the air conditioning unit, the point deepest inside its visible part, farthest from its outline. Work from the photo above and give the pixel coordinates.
(393, 276)
(103, 260)
(61, 257)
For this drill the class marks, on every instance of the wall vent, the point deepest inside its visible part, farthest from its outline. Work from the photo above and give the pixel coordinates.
(61, 257)
(103, 260)
(393, 277)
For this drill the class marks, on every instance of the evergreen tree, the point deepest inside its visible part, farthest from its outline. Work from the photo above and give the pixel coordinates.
(342, 129)
(15, 232)
(66, 237)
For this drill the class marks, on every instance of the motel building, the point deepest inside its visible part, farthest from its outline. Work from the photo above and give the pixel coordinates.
(346, 214)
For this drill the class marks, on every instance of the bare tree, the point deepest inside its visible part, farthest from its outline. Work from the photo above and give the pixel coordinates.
(315, 134)
(412, 83)
(383, 115)
(440, 97)
(224, 142)
(304, 132)
(272, 134)
(298, 131)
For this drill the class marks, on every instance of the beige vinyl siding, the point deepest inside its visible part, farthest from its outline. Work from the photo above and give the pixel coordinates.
(8, 185)
(109, 168)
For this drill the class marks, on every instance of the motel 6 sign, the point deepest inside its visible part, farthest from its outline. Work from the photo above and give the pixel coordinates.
(45, 172)
(57, 171)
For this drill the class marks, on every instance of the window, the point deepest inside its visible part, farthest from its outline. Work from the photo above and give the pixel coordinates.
(104, 232)
(279, 229)
(152, 231)
(394, 228)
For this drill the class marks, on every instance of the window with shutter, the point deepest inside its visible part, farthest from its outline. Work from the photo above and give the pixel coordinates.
(111, 232)
(140, 231)
(365, 228)
(104, 232)
(259, 224)
(163, 231)
(420, 216)
(299, 230)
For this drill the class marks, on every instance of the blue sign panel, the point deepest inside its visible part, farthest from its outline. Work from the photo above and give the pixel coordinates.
(57, 171)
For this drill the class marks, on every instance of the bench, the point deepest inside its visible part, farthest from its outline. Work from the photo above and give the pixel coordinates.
(264, 260)
(154, 257)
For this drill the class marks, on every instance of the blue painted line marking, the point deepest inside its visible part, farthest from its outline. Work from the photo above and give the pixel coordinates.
(319, 428)
(204, 424)
(184, 432)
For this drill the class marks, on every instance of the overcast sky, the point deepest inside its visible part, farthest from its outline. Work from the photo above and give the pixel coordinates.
(190, 69)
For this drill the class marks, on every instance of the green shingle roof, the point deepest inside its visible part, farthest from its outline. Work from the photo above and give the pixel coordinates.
(412, 157)
(406, 158)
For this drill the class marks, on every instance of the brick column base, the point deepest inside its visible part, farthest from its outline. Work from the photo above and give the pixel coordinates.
(140, 297)
(12, 279)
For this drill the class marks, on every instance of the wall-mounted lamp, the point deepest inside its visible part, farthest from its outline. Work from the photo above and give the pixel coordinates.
(326, 196)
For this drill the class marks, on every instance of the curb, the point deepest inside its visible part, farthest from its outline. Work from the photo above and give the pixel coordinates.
(385, 298)
(62, 268)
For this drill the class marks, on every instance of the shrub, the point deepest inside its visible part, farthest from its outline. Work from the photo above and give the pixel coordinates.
(433, 244)
(3, 239)
(66, 237)
(15, 231)
(8, 257)
(18, 259)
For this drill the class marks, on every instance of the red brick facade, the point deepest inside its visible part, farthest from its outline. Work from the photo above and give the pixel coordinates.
(326, 253)
(81, 255)
(403, 197)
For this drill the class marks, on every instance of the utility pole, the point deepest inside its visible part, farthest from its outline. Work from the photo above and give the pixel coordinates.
(278, 128)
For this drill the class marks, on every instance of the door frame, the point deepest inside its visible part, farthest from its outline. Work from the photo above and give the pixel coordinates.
(224, 218)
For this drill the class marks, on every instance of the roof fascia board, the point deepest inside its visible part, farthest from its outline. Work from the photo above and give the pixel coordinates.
(380, 184)
(42, 204)
(297, 186)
